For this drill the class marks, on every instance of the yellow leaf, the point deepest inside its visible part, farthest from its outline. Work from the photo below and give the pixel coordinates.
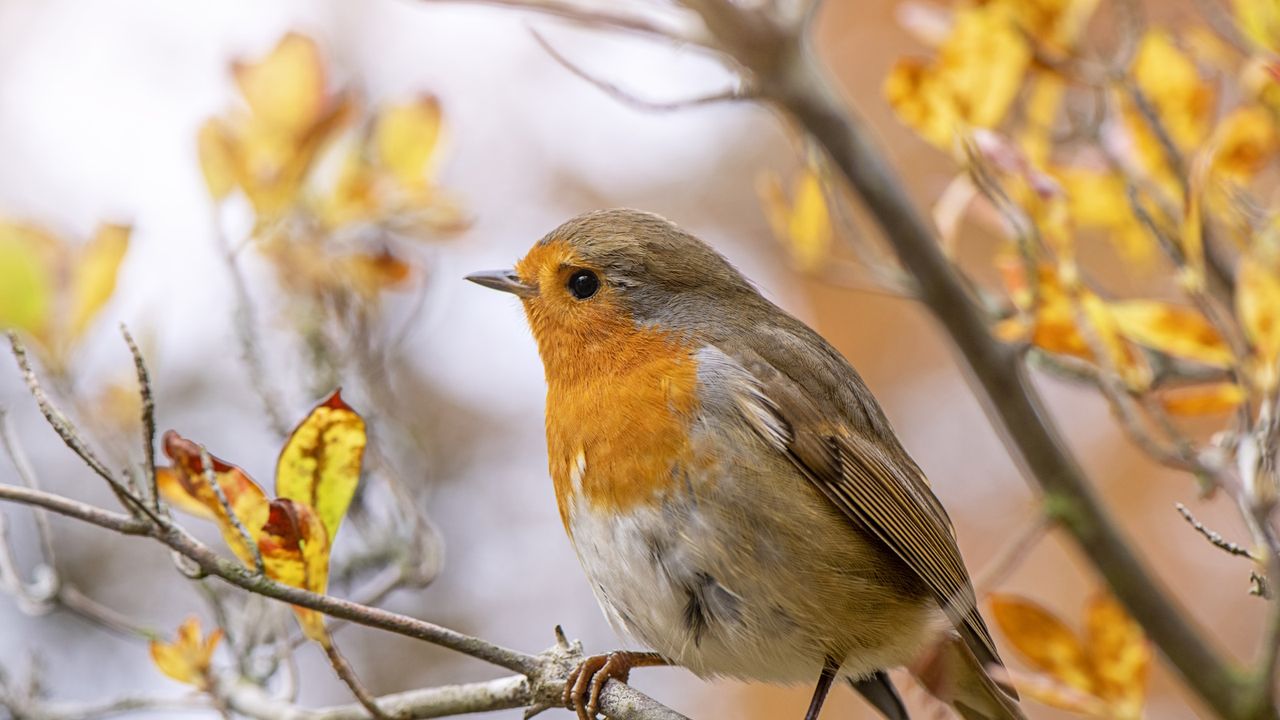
(295, 551)
(405, 137)
(1099, 199)
(320, 464)
(285, 90)
(1177, 95)
(246, 499)
(1202, 399)
(1056, 23)
(187, 659)
(1051, 318)
(93, 276)
(1043, 641)
(214, 145)
(1120, 657)
(972, 83)
(1173, 330)
(26, 282)
(1171, 82)
(803, 224)
(1258, 309)
(1036, 138)
(1260, 21)
(1246, 141)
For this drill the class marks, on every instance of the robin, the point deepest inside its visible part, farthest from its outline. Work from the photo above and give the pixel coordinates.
(733, 490)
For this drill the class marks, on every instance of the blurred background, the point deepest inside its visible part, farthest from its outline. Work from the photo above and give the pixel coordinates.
(100, 106)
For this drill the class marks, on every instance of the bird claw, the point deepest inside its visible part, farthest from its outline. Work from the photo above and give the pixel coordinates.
(583, 686)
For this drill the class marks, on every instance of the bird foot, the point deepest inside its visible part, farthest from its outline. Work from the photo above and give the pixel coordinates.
(583, 686)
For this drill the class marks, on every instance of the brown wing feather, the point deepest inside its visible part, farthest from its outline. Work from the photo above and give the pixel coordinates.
(853, 457)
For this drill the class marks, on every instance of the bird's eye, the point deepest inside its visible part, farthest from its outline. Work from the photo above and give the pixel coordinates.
(583, 284)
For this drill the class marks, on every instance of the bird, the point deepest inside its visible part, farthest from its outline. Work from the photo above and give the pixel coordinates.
(735, 494)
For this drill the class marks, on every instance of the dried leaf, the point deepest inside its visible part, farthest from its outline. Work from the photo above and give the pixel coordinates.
(93, 275)
(246, 499)
(187, 659)
(1171, 329)
(295, 551)
(1043, 641)
(320, 464)
(405, 138)
(370, 274)
(1120, 657)
(1202, 399)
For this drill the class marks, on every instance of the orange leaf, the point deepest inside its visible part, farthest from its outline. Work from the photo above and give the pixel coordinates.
(243, 495)
(1171, 329)
(1043, 641)
(1049, 691)
(1120, 657)
(320, 464)
(295, 551)
(188, 657)
(1202, 399)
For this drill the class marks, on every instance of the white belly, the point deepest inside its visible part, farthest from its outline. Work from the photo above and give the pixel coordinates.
(721, 595)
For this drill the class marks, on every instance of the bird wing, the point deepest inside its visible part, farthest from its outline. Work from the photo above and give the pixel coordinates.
(852, 456)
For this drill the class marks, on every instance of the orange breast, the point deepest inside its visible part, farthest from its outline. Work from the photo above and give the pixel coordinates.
(618, 431)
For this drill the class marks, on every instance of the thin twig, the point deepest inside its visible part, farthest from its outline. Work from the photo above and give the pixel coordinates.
(246, 325)
(148, 417)
(684, 29)
(124, 524)
(86, 607)
(1213, 537)
(352, 681)
(27, 474)
(66, 430)
(211, 478)
(627, 98)
(1012, 554)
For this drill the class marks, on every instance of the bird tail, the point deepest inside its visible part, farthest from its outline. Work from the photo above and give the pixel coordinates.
(954, 675)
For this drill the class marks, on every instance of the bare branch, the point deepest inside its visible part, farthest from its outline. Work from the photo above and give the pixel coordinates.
(501, 694)
(211, 478)
(65, 429)
(352, 681)
(627, 98)
(118, 522)
(148, 417)
(1213, 537)
(681, 28)
(246, 324)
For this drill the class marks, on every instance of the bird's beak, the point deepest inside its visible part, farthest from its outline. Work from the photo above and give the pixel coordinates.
(504, 280)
